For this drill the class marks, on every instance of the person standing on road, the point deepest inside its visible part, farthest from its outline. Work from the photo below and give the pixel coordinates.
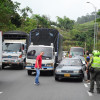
(38, 67)
(87, 67)
(95, 73)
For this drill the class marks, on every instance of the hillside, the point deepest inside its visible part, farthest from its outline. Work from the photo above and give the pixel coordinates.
(81, 35)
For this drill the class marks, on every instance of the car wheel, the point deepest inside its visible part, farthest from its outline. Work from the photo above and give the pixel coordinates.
(81, 79)
(29, 72)
(57, 79)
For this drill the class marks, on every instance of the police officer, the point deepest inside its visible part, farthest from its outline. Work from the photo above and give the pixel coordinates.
(95, 72)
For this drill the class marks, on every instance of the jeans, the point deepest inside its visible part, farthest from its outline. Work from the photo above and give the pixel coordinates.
(88, 75)
(37, 75)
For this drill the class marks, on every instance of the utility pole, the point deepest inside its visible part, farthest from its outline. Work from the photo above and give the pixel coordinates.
(95, 28)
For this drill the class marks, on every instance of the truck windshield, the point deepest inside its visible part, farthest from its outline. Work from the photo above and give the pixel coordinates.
(12, 47)
(77, 51)
(33, 52)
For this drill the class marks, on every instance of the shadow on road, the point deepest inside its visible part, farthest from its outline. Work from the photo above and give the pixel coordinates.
(12, 68)
(70, 80)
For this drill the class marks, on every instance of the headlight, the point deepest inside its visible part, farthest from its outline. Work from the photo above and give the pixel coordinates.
(29, 64)
(49, 65)
(76, 71)
(58, 71)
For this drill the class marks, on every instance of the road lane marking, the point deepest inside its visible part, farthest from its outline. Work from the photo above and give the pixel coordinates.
(1, 92)
(89, 93)
(85, 85)
(94, 83)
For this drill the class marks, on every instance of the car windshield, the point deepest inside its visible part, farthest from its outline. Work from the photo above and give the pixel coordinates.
(33, 52)
(76, 51)
(12, 47)
(71, 62)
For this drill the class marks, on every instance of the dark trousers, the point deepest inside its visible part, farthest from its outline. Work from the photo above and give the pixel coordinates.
(95, 76)
(88, 75)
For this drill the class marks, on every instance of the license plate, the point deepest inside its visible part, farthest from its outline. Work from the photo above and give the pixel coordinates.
(66, 75)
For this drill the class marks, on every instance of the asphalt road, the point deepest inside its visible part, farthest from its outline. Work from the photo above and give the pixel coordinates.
(17, 85)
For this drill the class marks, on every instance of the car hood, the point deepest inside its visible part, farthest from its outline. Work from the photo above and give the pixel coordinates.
(70, 68)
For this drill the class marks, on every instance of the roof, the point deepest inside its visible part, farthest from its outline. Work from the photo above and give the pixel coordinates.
(15, 35)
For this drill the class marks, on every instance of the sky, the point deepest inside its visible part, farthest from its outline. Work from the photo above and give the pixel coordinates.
(69, 8)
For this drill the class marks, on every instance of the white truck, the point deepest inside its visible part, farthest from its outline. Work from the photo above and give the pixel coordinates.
(14, 49)
(0, 49)
(50, 42)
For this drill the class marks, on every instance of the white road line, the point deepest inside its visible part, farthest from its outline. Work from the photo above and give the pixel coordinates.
(85, 85)
(90, 94)
(1, 92)
(94, 83)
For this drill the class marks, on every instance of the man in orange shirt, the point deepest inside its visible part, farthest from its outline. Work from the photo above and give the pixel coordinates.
(38, 66)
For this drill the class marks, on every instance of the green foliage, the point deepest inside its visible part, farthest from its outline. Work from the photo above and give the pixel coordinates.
(74, 34)
(87, 18)
(25, 11)
(42, 21)
(65, 23)
(8, 12)
(28, 25)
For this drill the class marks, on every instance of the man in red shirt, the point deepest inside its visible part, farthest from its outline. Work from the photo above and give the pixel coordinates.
(38, 66)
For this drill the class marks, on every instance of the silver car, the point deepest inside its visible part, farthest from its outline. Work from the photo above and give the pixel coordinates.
(70, 68)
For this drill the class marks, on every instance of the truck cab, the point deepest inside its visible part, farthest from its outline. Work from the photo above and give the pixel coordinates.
(48, 59)
(14, 49)
(14, 53)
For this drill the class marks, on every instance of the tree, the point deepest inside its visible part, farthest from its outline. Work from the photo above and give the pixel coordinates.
(8, 11)
(25, 11)
(42, 21)
(65, 23)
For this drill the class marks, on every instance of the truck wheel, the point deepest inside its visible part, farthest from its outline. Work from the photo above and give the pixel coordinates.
(52, 73)
(29, 72)
(2, 67)
(81, 79)
(22, 66)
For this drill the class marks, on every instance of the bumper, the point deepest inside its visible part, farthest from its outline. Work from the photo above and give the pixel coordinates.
(70, 75)
(42, 69)
(12, 63)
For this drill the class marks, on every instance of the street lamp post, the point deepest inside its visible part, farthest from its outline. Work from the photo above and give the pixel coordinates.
(94, 25)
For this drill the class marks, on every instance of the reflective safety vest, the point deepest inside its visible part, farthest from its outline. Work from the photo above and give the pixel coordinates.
(96, 62)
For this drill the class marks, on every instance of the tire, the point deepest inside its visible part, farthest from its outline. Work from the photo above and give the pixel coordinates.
(56, 79)
(22, 66)
(51, 73)
(81, 79)
(29, 72)
(2, 67)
